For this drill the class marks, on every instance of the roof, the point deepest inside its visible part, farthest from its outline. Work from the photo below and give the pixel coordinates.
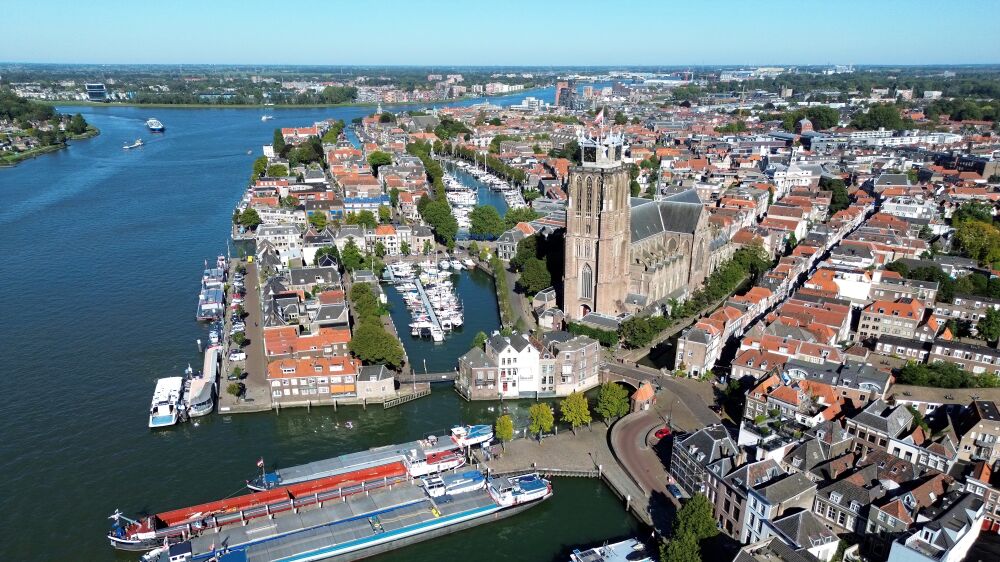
(678, 213)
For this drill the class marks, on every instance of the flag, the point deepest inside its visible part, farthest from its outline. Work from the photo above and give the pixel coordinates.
(260, 462)
(600, 117)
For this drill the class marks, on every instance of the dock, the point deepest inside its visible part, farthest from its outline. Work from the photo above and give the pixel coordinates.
(427, 305)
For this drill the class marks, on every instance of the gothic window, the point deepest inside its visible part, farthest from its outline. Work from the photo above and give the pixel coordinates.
(590, 195)
(586, 282)
(579, 196)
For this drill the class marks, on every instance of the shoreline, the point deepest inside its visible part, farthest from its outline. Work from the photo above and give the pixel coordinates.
(36, 152)
(81, 103)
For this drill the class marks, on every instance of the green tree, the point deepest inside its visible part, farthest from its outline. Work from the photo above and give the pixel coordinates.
(378, 159)
(250, 219)
(514, 216)
(318, 220)
(972, 210)
(373, 345)
(234, 389)
(394, 197)
(404, 248)
(879, 116)
(680, 548)
(277, 171)
(989, 325)
(479, 340)
(620, 118)
(485, 221)
(634, 188)
(612, 402)
(332, 135)
(504, 429)
(363, 218)
(535, 276)
(428, 248)
(259, 167)
(384, 214)
(77, 125)
(278, 143)
(240, 338)
(331, 251)
(351, 256)
(695, 519)
(575, 410)
(540, 419)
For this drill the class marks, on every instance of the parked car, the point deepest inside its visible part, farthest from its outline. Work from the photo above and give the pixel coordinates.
(237, 355)
(237, 299)
(662, 432)
(675, 491)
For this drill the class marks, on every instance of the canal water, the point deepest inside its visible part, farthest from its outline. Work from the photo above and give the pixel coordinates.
(102, 252)
(486, 195)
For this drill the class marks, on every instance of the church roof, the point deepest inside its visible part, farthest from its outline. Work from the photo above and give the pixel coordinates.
(677, 213)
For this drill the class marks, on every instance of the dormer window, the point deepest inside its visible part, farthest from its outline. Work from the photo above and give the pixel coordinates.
(835, 497)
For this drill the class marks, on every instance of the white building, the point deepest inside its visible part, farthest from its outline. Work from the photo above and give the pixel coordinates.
(945, 538)
(517, 363)
(908, 207)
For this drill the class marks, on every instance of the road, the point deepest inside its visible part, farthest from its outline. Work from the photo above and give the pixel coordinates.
(258, 394)
(685, 402)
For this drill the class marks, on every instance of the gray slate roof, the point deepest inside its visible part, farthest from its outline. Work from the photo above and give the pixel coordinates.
(677, 213)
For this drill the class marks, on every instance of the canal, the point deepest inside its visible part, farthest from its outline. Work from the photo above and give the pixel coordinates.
(103, 250)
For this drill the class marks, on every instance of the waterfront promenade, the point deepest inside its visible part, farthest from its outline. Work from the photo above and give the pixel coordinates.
(257, 397)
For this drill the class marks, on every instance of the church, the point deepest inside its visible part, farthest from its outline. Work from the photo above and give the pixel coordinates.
(625, 253)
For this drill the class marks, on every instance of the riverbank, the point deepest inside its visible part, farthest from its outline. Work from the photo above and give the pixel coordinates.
(83, 103)
(9, 161)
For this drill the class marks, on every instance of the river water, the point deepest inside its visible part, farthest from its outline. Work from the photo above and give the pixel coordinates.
(102, 250)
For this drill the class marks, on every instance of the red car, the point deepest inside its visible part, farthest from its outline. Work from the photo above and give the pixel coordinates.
(662, 432)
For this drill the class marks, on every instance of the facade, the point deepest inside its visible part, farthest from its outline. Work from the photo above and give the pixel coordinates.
(899, 318)
(313, 379)
(969, 357)
(947, 537)
(597, 231)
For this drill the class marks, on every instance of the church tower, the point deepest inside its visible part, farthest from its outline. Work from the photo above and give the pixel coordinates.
(596, 275)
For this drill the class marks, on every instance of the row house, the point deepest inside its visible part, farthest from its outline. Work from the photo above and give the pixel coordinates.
(979, 428)
(890, 286)
(984, 482)
(699, 347)
(768, 502)
(878, 423)
(938, 452)
(969, 357)
(518, 366)
(905, 348)
(315, 378)
(692, 455)
(902, 318)
(965, 307)
(284, 342)
(951, 527)
(893, 516)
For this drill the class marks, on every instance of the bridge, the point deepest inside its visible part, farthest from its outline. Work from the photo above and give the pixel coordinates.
(445, 376)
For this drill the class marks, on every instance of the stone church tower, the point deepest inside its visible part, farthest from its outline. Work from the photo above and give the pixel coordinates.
(596, 274)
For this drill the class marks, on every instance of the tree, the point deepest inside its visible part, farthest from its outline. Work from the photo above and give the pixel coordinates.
(612, 402)
(277, 171)
(514, 216)
(485, 221)
(620, 118)
(332, 135)
(249, 219)
(428, 248)
(240, 338)
(331, 251)
(404, 248)
(989, 325)
(378, 159)
(259, 167)
(351, 256)
(879, 116)
(575, 410)
(373, 345)
(318, 220)
(384, 214)
(77, 125)
(504, 429)
(540, 419)
(535, 276)
(972, 210)
(634, 188)
(394, 196)
(479, 340)
(680, 548)
(234, 389)
(695, 519)
(387, 118)
(363, 218)
(278, 143)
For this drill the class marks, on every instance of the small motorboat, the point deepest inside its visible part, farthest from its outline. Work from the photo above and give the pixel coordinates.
(136, 144)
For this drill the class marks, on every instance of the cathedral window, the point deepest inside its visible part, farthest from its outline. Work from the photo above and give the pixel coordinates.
(586, 282)
(590, 196)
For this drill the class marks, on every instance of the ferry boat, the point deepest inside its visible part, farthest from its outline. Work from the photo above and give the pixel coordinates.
(165, 408)
(136, 144)
(629, 550)
(420, 458)
(363, 525)
(154, 125)
(201, 390)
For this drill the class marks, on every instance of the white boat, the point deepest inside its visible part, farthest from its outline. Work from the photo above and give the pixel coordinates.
(437, 335)
(516, 490)
(136, 144)
(450, 484)
(266, 117)
(455, 264)
(469, 263)
(443, 264)
(165, 407)
(468, 435)
(154, 125)
(628, 550)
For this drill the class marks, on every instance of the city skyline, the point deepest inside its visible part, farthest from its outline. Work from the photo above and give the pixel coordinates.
(516, 33)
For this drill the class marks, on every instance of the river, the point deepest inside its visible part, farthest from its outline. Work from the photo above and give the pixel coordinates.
(102, 252)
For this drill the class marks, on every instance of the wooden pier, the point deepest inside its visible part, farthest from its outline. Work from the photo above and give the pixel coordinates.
(393, 402)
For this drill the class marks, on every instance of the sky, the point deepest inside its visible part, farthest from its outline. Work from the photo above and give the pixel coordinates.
(501, 32)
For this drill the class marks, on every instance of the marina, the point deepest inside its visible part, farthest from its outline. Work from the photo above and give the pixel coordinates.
(511, 193)
(429, 294)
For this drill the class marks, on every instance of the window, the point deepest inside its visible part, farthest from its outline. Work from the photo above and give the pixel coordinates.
(590, 195)
(586, 282)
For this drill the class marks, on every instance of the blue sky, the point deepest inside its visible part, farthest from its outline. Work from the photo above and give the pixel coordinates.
(501, 32)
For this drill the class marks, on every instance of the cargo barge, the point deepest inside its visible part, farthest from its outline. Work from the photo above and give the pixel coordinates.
(363, 525)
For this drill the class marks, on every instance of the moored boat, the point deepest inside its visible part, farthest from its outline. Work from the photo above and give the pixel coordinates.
(469, 435)
(165, 407)
(629, 550)
(155, 125)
